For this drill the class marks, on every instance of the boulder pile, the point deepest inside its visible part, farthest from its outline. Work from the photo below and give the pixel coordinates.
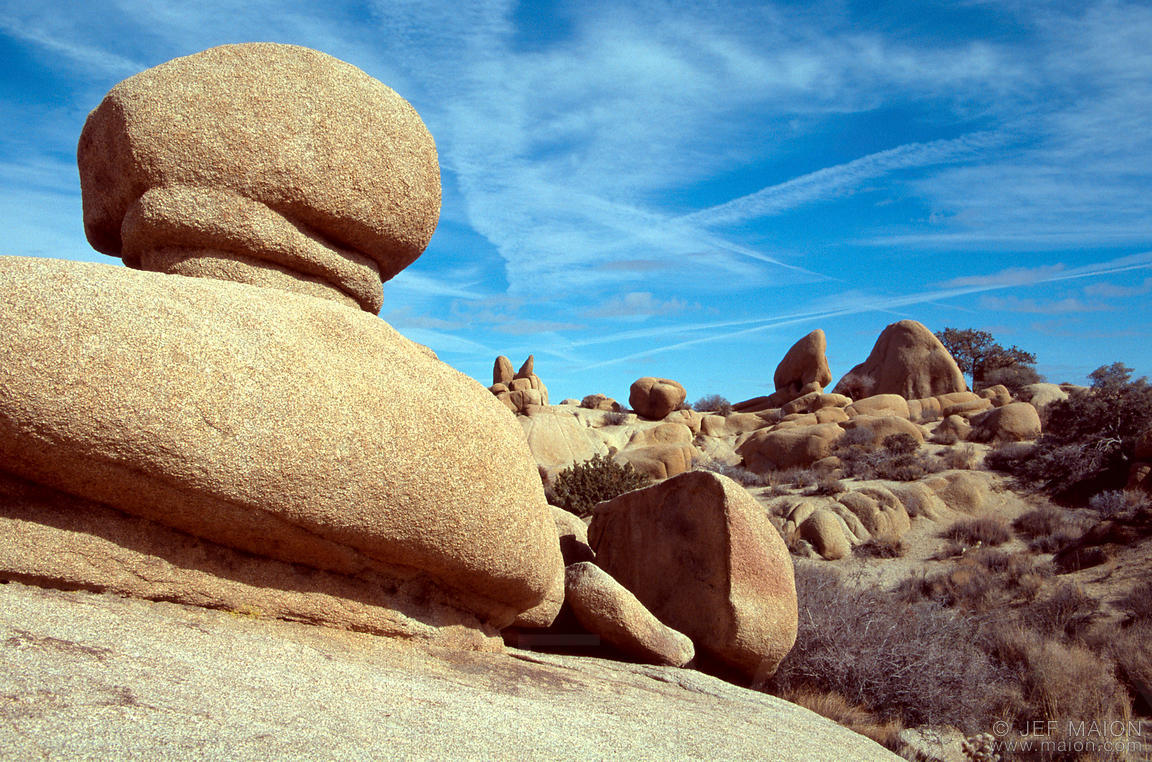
(521, 390)
(240, 426)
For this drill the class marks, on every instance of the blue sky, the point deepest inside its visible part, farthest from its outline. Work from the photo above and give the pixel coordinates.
(685, 189)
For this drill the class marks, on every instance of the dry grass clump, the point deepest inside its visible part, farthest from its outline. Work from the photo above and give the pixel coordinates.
(738, 474)
(835, 707)
(826, 484)
(984, 579)
(983, 531)
(713, 403)
(880, 547)
(914, 662)
(898, 457)
(1049, 529)
(963, 457)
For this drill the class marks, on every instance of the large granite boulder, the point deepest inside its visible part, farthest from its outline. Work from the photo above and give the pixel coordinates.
(907, 360)
(655, 398)
(699, 552)
(273, 423)
(269, 164)
(777, 449)
(803, 370)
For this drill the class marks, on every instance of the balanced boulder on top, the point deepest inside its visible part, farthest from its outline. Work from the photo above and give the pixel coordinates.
(267, 164)
(655, 398)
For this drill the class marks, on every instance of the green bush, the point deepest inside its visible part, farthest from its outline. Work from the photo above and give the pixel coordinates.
(1088, 439)
(578, 489)
(713, 403)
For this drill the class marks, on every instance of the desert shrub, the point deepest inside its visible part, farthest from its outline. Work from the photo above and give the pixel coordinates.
(897, 458)
(900, 444)
(1057, 680)
(1049, 529)
(1131, 648)
(1066, 612)
(1088, 438)
(826, 484)
(913, 661)
(1013, 378)
(713, 403)
(1139, 602)
(963, 457)
(616, 418)
(578, 489)
(737, 474)
(835, 707)
(856, 385)
(987, 531)
(1114, 503)
(880, 547)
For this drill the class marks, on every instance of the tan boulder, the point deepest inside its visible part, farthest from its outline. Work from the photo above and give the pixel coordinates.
(659, 461)
(998, 395)
(601, 402)
(662, 433)
(502, 373)
(573, 533)
(925, 410)
(654, 398)
(880, 405)
(907, 360)
(527, 370)
(267, 421)
(881, 427)
(765, 451)
(606, 608)
(919, 500)
(803, 370)
(700, 554)
(814, 402)
(1042, 395)
(268, 164)
(952, 429)
(962, 491)
(966, 404)
(826, 531)
(689, 418)
(558, 440)
(1014, 422)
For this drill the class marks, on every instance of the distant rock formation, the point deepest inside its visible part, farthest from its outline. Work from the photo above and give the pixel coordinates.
(803, 370)
(519, 391)
(655, 398)
(269, 426)
(907, 360)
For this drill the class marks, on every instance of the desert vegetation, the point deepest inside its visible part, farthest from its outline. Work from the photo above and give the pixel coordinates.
(578, 489)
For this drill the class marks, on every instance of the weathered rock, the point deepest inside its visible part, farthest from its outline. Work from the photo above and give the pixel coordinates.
(660, 461)
(276, 432)
(604, 607)
(558, 440)
(803, 370)
(57, 540)
(654, 398)
(882, 427)
(907, 360)
(766, 451)
(1042, 395)
(998, 395)
(76, 664)
(268, 164)
(880, 405)
(825, 530)
(699, 553)
(966, 404)
(925, 410)
(573, 534)
(952, 429)
(814, 402)
(1014, 422)
(502, 372)
(601, 402)
(962, 491)
(918, 499)
(526, 370)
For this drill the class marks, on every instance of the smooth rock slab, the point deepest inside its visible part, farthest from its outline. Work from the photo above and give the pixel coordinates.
(274, 423)
(97, 677)
(699, 553)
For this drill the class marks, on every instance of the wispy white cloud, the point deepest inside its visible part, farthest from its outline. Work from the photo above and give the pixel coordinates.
(636, 304)
(1059, 306)
(842, 179)
(1114, 291)
(78, 53)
